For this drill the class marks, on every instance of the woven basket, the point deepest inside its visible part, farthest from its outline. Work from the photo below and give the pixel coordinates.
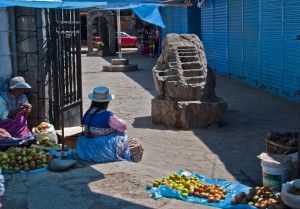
(275, 148)
(136, 149)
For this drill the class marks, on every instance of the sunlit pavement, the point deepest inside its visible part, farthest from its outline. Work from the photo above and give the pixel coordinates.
(228, 152)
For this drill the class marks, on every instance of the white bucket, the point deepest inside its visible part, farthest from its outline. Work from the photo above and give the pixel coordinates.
(274, 174)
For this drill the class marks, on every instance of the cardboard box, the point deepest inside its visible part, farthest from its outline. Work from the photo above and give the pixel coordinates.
(71, 141)
(71, 135)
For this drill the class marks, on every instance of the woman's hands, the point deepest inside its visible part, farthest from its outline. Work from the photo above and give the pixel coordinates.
(24, 109)
(4, 134)
(27, 109)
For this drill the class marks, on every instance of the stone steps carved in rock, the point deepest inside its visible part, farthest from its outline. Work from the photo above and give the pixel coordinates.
(190, 65)
(192, 73)
(195, 80)
(188, 58)
(180, 54)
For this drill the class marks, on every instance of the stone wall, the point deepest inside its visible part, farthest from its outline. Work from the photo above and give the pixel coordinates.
(111, 21)
(32, 30)
(130, 25)
(5, 52)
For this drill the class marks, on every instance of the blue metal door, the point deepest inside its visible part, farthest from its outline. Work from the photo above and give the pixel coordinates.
(291, 51)
(220, 36)
(271, 45)
(214, 35)
(251, 42)
(180, 20)
(166, 13)
(194, 20)
(208, 36)
(235, 39)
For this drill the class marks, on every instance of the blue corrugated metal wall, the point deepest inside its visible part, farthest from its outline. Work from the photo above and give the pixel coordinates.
(180, 20)
(208, 29)
(263, 50)
(220, 35)
(166, 13)
(251, 33)
(271, 45)
(235, 39)
(291, 57)
(214, 35)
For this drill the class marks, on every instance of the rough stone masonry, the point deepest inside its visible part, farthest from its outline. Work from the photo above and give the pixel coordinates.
(185, 86)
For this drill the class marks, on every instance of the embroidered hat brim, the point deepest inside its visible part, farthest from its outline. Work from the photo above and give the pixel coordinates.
(110, 97)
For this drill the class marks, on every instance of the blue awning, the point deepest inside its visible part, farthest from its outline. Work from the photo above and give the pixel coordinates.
(147, 10)
(73, 4)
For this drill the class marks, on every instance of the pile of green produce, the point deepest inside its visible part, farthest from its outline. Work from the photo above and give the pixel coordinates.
(191, 186)
(46, 142)
(16, 159)
(260, 197)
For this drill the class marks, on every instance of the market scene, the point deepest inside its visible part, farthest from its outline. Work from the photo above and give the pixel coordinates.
(161, 104)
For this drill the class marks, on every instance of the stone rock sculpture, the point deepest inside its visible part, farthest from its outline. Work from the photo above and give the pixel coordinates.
(185, 86)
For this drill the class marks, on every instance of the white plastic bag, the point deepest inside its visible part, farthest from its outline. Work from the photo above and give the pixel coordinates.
(288, 198)
(49, 132)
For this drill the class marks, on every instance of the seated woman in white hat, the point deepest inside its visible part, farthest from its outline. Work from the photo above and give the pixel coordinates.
(15, 109)
(104, 138)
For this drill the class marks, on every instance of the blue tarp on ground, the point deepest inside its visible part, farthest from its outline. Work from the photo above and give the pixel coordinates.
(69, 156)
(233, 188)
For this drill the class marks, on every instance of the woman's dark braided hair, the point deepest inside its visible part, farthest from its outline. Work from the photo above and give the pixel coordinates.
(100, 106)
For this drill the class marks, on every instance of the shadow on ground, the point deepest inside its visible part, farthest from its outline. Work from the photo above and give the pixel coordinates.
(88, 188)
(251, 114)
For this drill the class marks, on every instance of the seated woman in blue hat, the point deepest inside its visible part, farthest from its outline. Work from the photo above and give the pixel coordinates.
(104, 138)
(15, 109)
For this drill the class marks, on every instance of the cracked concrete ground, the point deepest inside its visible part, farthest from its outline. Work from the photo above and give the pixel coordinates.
(228, 152)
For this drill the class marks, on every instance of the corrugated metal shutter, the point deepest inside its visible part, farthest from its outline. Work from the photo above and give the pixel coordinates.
(251, 47)
(291, 68)
(214, 35)
(194, 20)
(166, 13)
(220, 36)
(180, 20)
(271, 46)
(235, 39)
(207, 28)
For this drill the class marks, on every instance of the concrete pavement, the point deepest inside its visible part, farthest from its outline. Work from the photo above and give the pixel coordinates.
(228, 152)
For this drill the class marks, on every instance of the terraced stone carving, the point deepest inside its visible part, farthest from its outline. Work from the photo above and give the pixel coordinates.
(185, 86)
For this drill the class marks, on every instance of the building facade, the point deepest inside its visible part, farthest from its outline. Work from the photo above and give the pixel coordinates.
(254, 41)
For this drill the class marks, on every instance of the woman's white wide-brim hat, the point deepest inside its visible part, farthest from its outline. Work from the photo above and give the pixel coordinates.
(18, 83)
(101, 94)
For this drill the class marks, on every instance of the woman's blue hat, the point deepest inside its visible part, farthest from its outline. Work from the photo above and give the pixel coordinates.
(101, 94)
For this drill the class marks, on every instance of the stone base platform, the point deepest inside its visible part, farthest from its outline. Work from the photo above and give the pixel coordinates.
(101, 53)
(187, 114)
(120, 65)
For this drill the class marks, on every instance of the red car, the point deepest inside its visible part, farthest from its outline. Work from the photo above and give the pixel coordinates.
(96, 39)
(126, 40)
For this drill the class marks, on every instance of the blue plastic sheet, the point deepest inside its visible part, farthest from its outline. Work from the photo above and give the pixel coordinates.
(231, 187)
(53, 152)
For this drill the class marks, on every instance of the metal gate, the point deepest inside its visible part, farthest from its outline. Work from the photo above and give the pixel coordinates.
(66, 66)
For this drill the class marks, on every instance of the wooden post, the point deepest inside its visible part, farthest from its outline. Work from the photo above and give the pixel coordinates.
(119, 33)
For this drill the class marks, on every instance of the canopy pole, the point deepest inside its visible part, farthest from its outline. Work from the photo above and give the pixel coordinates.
(298, 142)
(119, 33)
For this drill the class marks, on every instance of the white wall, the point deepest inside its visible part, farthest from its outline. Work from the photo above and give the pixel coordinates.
(5, 53)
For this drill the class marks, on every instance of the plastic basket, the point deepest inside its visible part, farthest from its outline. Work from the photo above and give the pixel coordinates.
(275, 148)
